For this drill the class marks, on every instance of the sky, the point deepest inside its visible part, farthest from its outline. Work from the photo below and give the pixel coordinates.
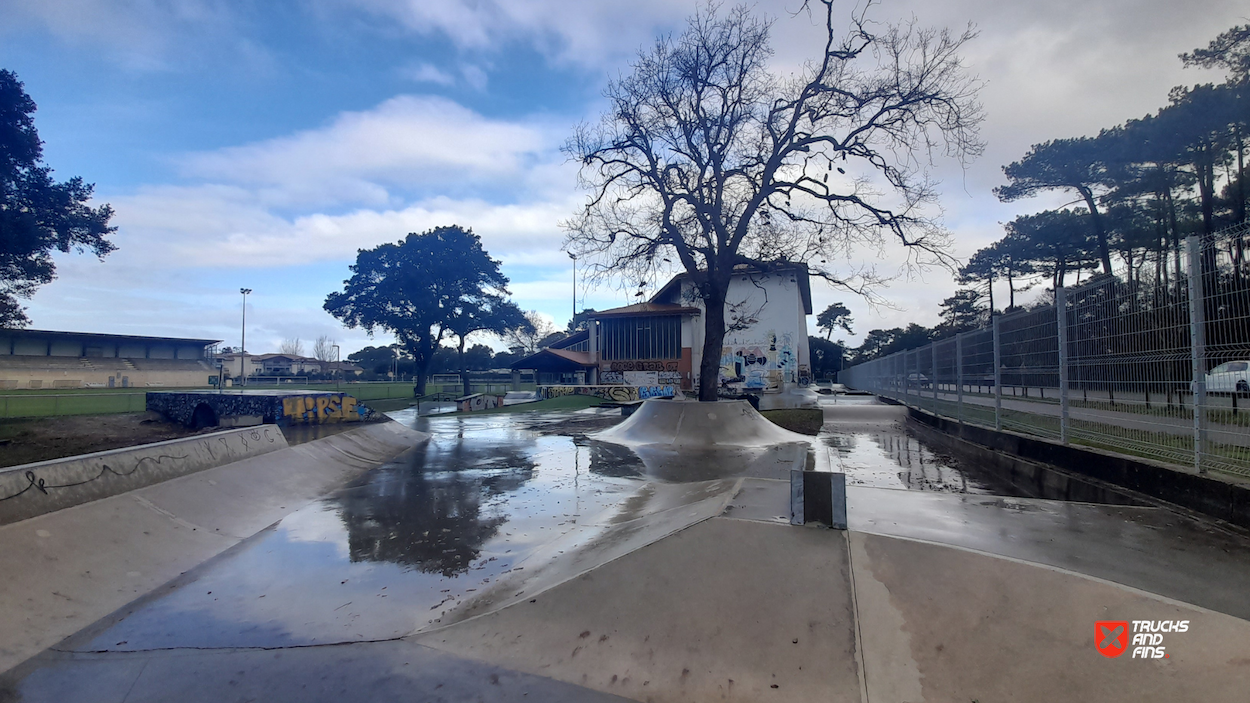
(261, 143)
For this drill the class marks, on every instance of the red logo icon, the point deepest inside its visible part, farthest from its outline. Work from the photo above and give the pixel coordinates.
(1111, 637)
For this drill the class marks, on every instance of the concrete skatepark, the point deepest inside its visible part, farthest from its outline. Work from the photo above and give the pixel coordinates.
(575, 556)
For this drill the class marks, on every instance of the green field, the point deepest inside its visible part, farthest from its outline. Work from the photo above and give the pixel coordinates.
(106, 401)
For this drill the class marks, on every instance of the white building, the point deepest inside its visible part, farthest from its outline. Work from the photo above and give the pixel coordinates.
(660, 342)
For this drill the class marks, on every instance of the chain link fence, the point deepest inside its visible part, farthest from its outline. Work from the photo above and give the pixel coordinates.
(1118, 363)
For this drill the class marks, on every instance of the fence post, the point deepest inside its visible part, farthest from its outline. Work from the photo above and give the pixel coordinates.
(906, 366)
(998, 375)
(959, 376)
(1197, 346)
(1061, 314)
(933, 373)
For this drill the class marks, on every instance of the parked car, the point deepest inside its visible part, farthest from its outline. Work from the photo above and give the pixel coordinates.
(1229, 377)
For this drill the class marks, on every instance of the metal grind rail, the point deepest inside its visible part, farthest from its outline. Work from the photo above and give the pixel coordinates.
(1119, 362)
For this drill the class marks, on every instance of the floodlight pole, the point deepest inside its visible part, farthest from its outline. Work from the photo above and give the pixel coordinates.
(338, 385)
(243, 339)
(574, 258)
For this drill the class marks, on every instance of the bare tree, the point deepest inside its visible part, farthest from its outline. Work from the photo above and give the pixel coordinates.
(528, 336)
(323, 348)
(706, 156)
(292, 347)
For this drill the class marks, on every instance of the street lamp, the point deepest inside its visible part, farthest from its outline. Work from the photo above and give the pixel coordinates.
(574, 258)
(243, 339)
(338, 367)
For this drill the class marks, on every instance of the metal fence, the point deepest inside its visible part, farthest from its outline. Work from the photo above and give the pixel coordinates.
(1118, 363)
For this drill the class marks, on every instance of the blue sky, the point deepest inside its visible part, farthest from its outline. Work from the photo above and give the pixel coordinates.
(261, 143)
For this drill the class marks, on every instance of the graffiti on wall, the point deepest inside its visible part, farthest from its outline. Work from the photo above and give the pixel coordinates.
(643, 366)
(611, 377)
(619, 394)
(478, 401)
(805, 375)
(315, 409)
(762, 364)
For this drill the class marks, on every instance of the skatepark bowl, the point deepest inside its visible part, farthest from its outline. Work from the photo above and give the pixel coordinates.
(553, 556)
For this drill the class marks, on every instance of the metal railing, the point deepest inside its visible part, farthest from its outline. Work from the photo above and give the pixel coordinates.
(1118, 363)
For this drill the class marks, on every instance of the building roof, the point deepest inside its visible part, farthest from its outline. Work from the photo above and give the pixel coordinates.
(649, 308)
(570, 340)
(555, 360)
(103, 337)
(799, 270)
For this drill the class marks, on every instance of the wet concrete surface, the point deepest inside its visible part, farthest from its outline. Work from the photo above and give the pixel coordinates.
(875, 447)
(396, 550)
(497, 509)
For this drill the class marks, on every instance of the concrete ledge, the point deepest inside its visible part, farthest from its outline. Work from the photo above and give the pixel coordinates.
(1223, 500)
(43, 487)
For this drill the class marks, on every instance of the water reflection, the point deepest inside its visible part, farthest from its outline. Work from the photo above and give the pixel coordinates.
(435, 522)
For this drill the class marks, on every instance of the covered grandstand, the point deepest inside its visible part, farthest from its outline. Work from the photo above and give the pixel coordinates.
(49, 359)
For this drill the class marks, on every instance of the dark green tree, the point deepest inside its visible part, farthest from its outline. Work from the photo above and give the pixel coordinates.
(579, 321)
(479, 357)
(37, 215)
(826, 357)
(961, 312)
(1055, 242)
(1079, 165)
(834, 316)
(417, 289)
(482, 312)
(1229, 51)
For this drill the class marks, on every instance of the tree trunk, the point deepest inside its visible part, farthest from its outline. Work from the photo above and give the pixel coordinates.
(422, 355)
(713, 341)
(1104, 251)
(464, 372)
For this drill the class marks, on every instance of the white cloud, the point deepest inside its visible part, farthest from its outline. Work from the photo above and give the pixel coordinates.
(406, 143)
(427, 73)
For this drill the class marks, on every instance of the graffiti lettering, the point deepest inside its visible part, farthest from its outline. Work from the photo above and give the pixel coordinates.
(320, 408)
(479, 401)
(644, 366)
(618, 394)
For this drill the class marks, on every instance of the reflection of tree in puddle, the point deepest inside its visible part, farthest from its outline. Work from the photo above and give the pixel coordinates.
(842, 443)
(922, 469)
(612, 460)
(433, 521)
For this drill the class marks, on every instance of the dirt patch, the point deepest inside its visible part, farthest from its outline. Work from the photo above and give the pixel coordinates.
(26, 441)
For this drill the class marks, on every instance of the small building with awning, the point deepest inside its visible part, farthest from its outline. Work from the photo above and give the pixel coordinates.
(565, 363)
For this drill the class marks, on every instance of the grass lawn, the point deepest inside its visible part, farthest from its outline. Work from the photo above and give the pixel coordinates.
(802, 420)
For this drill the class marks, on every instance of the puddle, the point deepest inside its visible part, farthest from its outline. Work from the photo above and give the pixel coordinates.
(394, 551)
(891, 458)
(871, 443)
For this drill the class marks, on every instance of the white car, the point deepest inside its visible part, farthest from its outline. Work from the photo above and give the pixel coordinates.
(1229, 377)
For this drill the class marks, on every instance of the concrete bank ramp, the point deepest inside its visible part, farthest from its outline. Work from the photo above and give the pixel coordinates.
(688, 423)
(72, 567)
(655, 511)
(46, 486)
(691, 441)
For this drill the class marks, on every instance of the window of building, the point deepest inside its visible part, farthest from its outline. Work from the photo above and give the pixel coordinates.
(641, 337)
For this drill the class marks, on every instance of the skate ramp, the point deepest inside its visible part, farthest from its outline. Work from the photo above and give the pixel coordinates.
(726, 423)
(683, 441)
